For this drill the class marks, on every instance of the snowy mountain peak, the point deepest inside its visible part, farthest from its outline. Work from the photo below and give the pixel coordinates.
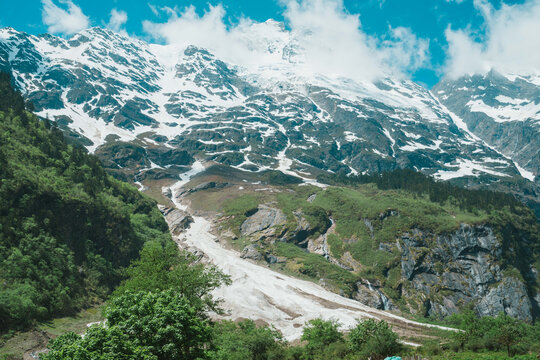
(501, 109)
(7, 32)
(104, 87)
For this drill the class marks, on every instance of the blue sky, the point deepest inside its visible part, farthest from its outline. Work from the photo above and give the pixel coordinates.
(428, 20)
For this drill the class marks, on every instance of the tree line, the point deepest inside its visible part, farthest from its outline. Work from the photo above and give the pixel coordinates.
(420, 184)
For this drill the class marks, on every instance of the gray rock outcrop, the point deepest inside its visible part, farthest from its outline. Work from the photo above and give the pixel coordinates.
(448, 272)
(263, 219)
(370, 295)
(206, 185)
(251, 252)
(510, 297)
(177, 220)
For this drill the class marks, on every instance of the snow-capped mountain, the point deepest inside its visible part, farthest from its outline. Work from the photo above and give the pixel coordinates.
(503, 110)
(111, 89)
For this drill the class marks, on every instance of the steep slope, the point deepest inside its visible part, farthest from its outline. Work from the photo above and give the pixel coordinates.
(501, 109)
(258, 292)
(104, 88)
(66, 227)
(389, 243)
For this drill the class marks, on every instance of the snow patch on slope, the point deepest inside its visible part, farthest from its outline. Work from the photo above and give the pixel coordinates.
(259, 293)
(511, 112)
(466, 167)
(463, 127)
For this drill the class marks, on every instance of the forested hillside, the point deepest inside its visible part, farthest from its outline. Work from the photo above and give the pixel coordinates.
(66, 227)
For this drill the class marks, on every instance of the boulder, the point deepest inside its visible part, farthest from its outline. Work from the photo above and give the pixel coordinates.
(200, 256)
(251, 252)
(177, 220)
(264, 218)
(271, 259)
(167, 192)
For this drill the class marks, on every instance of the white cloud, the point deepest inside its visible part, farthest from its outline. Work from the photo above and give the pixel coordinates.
(511, 43)
(332, 40)
(117, 21)
(405, 50)
(321, 37)
(154, 9)
(63, 21)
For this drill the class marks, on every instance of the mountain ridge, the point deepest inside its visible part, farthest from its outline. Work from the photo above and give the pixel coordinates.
(104, 87)
(502, 109)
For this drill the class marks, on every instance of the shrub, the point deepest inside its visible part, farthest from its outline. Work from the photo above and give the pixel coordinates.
(373, 339)
(245, 340)
(320, 333)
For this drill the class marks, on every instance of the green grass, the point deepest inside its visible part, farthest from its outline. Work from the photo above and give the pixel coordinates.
(240, 243)
(336, 245)
(15, 346)
(315, 267)
(295, 198)
(241, 205)
(237, 209)
(368, 202)
(77, 323)
(376, 250)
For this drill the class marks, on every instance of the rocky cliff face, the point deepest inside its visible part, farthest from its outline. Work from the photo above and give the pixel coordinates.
(441, 274)
(445, 273)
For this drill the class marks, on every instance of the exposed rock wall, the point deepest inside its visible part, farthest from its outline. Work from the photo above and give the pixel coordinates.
(452, 271)
(441, 274)
(177, 219)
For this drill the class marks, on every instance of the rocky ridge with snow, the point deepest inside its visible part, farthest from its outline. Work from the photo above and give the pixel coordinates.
(105, 88)
(501, 109)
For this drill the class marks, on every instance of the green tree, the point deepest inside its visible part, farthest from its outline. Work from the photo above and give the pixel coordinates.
(67, 229)
(373, 339)
(245, 341)
(470, 325)
(19, 305)
(99, 343)
(508, 331)
(164, 322)
(320, 333)
(162, 266)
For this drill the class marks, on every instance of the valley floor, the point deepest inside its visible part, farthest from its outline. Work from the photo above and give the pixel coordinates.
(269, 297)
(25, 345)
